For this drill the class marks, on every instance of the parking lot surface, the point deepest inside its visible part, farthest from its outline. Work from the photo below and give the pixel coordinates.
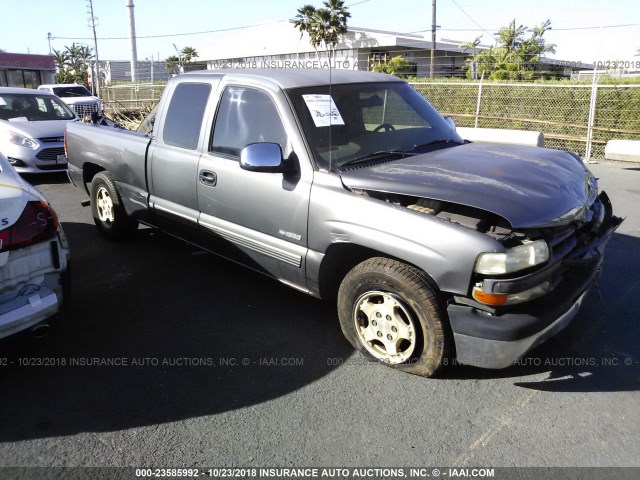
(169, 356)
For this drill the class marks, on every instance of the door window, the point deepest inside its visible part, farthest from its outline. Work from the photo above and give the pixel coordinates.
(245, 116)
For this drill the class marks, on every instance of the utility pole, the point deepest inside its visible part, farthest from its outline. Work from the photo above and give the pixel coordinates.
(49, 38)
(95, 84)
(132, 38)
(433, 39)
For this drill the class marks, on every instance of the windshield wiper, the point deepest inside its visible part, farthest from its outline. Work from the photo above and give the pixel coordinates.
(435, 142)
(374, 155)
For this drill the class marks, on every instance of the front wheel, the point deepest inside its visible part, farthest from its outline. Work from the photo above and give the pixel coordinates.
(390, 313)
(108, 212)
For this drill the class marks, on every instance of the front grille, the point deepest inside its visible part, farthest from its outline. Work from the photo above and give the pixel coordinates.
(50, 154)
(571, 241)
(59, 139)
(562, 242)
(84, 109)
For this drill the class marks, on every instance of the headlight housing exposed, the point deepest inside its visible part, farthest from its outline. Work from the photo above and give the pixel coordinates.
(514, 259)
(19, 140)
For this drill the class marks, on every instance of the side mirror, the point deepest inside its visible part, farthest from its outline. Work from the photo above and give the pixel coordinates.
(262, 157)
(451, 123)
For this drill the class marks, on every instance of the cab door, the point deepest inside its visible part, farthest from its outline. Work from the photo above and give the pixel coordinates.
(174, 156)
(256, 218)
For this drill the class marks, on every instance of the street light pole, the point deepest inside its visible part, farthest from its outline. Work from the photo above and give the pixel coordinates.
(95, 85)
(433, 39)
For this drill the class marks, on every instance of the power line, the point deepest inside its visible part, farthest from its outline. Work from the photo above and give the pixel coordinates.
(472, 20)
(176, 34)
(193, 33)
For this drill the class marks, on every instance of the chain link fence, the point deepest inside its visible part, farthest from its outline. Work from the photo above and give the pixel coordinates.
(578, 118)
(130, 98)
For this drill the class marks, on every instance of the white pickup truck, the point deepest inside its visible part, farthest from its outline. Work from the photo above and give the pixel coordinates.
(77, 97)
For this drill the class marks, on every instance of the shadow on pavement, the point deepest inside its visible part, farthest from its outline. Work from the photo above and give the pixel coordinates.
(36, 179)
(158, 331)
(190, 335)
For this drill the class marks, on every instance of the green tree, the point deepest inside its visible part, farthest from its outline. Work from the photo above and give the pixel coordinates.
(398, 66)
(515, 57)
(172, 63)
(472, 45)
(324, 25)
(188, 55)
(73, 64)
(304, 20)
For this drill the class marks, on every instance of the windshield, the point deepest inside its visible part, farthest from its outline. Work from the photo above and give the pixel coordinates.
(351, 122)
(75, 91)
(33, 107)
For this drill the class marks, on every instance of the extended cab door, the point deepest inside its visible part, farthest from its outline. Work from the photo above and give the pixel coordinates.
(256, 218)
(174, 155)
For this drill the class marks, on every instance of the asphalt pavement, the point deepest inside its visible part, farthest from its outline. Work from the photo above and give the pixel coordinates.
(169, 356)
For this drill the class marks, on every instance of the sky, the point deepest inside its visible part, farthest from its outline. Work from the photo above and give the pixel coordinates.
(582, 30)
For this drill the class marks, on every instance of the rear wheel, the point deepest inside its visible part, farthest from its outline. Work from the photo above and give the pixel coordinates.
(390, 313)
(108, 212)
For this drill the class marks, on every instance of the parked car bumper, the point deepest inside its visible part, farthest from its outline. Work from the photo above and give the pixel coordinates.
(48, 157)
(497, 340)
(34, 284)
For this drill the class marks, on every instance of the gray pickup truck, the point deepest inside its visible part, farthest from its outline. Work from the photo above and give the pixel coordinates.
(350, 186)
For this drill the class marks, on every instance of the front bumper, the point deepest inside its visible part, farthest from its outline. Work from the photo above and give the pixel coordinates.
(47, 158)
(498, 339)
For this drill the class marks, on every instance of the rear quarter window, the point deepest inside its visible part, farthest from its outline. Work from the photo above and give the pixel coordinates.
(183, 122)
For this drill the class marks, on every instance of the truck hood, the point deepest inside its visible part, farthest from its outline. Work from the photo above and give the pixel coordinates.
(43, 129)
(75, 100)
(527, 186)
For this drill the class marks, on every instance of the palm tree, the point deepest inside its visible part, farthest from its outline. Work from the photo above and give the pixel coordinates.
(304, 19)
(338, 16)
(73, 63)
(510, 37)
(538, 32)
(172, 63)
(323, 25)
(189, 54)
(471, 45)
(61, 59)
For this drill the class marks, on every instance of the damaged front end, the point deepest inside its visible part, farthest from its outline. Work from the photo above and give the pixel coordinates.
(519, 297)
(517, 301)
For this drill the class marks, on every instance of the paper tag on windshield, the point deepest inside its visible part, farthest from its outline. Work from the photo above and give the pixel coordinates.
(323, 111)
(2, 102)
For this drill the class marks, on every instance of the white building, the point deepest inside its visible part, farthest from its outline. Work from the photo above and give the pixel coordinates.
(280, 45)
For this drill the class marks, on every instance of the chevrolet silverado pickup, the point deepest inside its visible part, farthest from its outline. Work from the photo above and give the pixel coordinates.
(351, 187)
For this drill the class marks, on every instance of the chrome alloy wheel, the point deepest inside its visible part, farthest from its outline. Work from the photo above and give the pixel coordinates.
(104, 205)
(385, 326)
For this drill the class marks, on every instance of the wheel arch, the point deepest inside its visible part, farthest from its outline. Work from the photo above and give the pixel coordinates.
(341, 258)
(89, 170)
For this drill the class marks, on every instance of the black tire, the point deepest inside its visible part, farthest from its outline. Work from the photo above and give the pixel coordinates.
(112, 221)
(412, 320)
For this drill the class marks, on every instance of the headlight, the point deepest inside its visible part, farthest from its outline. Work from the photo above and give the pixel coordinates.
(517, 258)
(20, 140)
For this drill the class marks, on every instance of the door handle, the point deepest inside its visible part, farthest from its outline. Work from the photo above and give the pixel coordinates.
(208, 178)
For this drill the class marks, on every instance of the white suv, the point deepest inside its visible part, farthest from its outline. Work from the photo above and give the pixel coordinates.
(77, 97)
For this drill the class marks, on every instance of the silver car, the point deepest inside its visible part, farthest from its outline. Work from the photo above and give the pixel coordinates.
(32, 124)
(34, 256)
